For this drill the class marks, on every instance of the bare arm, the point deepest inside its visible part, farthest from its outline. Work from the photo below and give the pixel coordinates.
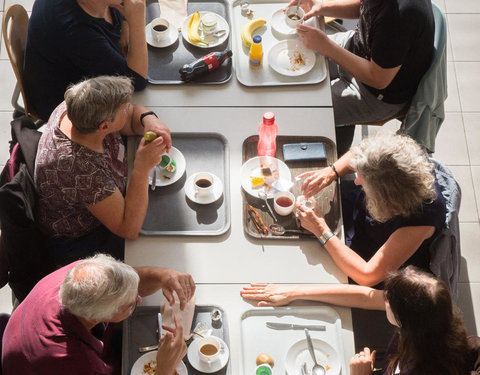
(337, 8)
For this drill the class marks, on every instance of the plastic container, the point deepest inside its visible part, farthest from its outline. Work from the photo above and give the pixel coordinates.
(267, 135)
(255, 58)
(263, 369)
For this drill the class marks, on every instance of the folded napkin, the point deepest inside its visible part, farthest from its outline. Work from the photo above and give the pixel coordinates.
(174, 11)
(185, 316)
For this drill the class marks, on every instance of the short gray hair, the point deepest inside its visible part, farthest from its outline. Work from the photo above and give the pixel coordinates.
(398, 175)
(97, 287)
(94, 100)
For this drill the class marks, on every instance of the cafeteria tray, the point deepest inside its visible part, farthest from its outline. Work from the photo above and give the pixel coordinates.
(266, 76)
(258, 338)
(328, 198)
(164, 63)
(141, 330)
(170, 212)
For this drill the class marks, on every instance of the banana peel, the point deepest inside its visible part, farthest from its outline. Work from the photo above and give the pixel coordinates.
(192, 30)
(249, 28)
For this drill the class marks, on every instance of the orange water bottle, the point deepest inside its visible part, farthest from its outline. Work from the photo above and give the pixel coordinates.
(256, 53)
(267, 135)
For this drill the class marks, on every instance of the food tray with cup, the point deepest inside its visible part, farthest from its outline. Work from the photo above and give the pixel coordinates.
(287, 345)
(328, 199)
(200, 216)
(140, 330)
(165, 60)
(286, 61)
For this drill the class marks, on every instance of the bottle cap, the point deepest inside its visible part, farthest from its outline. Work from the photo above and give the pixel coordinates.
(268, 118)
(257, 39)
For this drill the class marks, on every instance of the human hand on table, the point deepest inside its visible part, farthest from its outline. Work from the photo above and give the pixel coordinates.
(316, 181)
(311, 7)
(314, 39)
(268, 294)
(311, 221)
(171, 350)
(362, 363)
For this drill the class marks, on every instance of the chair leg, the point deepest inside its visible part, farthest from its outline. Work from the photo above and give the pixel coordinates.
(15, 96)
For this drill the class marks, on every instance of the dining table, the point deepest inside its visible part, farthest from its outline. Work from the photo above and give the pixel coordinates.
(222, 264)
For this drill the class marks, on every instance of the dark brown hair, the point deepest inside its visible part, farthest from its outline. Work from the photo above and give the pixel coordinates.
(432, 338)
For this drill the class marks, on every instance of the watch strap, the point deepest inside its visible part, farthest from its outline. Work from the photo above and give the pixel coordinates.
(323, 239)
(143, 115)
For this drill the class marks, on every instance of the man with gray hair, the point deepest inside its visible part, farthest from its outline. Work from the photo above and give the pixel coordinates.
(81, 170)
(64, 324)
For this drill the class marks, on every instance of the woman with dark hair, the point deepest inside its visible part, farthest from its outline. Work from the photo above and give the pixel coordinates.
(429, 338)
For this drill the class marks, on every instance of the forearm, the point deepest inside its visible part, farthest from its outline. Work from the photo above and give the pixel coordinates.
(347, 9)
(137, 55)
(342, 165)
(151, 279)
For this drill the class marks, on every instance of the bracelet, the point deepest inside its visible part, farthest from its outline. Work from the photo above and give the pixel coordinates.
(335, 170)
(146, 114)
(323, 239)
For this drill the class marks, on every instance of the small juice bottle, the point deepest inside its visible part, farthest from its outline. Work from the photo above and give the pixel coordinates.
(256, 53)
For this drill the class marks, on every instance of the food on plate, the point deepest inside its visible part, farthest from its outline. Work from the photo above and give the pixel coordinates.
(192, 29)
(171, 167)
(248, 30)
(264, 358)
(149, 136)
(297, 61)
(257, 181)
(150, 367)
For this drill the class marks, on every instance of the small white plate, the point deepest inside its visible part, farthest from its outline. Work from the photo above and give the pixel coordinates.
(279, 25)
(216, 193)
(167, 42)
(179, 159)
(220, 363)
(212, 41)
(324, 353)
(291, 58)
(137, 368)
(252, 168)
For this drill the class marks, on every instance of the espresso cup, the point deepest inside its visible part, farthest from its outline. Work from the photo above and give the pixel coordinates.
(159, 29)
(294, 17)
(209, 23)
(208, 349)
(284, 203)
(203, 184)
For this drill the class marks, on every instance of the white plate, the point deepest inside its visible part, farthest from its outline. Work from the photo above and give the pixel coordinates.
(283, 55)
(220, 363)
(279, 25)
(179, 159)
(212, 41)
(324, 353)
(137, 368)
(167, 42)
(252, 168)
(216, 193)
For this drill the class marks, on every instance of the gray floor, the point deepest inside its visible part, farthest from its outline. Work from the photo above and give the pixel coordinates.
(455, 143)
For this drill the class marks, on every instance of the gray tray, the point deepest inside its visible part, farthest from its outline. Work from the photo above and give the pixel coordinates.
(141, 330)
(170, 212)
(164, 63)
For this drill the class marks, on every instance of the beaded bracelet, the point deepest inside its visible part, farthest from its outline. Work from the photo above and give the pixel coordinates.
(335, 170)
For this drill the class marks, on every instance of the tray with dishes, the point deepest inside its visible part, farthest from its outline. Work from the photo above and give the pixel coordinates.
(285, 225)
(174, 48)
(197, 158)
(286, 61)
(140, 330)
(268, 336)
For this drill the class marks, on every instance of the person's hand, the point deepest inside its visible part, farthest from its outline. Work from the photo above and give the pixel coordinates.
(314, 39)
(179, 282)
(316, 180)
(149, 155)
(311, 7)
(268, 294)
(362, 363)
(153, 124)
(132, 10)
(311, 221)
(171, 350)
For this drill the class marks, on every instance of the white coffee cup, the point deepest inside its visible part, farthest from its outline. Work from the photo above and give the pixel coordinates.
(159, 29)
(208, 349)
(209, 23)
(203, 184)
(284, 203)
(291, 15)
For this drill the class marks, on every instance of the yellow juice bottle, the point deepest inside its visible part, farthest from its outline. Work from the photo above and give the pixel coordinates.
(256, 53)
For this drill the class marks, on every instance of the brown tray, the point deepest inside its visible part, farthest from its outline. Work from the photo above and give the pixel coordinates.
(328, 198)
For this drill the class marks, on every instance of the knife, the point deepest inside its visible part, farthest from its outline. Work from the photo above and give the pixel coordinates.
(313, 327)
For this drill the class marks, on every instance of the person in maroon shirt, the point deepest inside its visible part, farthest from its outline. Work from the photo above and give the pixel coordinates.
(64, 324)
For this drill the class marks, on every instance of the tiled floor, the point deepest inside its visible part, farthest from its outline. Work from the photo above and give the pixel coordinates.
(457, 142)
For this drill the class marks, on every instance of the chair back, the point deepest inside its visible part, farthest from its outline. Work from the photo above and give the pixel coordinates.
(14, 30)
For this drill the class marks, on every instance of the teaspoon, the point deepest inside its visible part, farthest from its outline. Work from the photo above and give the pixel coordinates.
(278, 230)
(264, 196)
(317, 369)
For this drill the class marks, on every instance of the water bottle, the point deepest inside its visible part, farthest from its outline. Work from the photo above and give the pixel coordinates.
(267, 135)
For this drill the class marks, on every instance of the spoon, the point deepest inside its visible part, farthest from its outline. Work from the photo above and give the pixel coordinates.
(317, 369)
(154, 178)
(144, 349)
(263, 195)
(296, 11)
(219, 33)
(278, 230)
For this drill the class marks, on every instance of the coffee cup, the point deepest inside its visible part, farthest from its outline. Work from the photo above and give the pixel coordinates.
(159, 29)
(208, 349)
(294, 17)
(203, 184)
(209, 23)
(284, 203)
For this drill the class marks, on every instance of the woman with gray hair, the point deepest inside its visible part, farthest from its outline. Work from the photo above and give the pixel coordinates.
(81, 169)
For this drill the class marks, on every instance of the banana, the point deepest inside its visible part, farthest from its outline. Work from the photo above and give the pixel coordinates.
(249, 28)
(192, 29)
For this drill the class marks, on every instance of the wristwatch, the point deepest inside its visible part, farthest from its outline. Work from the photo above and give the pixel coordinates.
(146, 114)
(325, 237)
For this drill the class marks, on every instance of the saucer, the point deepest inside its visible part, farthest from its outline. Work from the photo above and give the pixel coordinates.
(137, 368)
(279, 25)
(222, 24)
(216, 193)
(198, 365)
(167, 42)
(176, 155)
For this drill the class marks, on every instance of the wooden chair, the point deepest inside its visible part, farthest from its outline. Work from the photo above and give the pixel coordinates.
(14, 30)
